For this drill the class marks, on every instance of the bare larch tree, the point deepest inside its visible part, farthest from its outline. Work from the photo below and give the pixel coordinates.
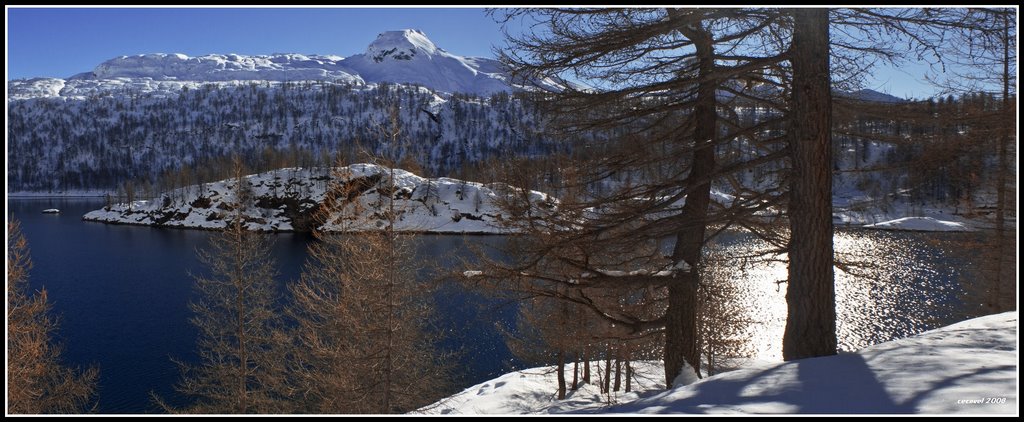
(37, 382)
(362, 318)
(648, 140)
(241, 367)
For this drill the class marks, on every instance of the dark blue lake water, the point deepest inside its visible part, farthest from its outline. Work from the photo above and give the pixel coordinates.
(122, 294)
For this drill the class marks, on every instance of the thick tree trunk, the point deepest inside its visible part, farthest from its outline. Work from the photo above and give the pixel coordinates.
(681, 338)
(576, 372)
(561, 375)
(1002, 257)
(586, 365)
(607, 370)
(629, 376)
(618, 375)
(811, 325)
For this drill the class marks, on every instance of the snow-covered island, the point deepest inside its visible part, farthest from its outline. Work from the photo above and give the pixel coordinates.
(965, 368)
(289, 199)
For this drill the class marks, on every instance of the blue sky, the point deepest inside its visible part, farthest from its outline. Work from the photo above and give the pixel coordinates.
(61, 42)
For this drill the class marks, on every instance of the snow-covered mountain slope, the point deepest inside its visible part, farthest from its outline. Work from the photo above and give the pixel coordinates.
(165, 75)
(871, 96)
(405, 56)
(56, 144)
(289, 199)
(218, 67)
(965, 368)
(88, 89)
(34, 88)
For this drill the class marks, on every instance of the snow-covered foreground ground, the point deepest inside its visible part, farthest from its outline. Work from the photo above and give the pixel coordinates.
(965, 368)
(534, 390)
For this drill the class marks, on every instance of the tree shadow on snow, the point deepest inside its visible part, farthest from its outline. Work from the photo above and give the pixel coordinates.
(837, 384)
(841, 384)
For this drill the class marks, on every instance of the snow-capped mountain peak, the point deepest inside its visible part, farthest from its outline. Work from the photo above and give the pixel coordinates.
(400, 45)
(408, 56)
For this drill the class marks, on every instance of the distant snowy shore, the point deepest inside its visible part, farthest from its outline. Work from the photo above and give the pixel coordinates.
(933, 220)
(927, 224)
(965, 368)
(59, 194)
(289, 200)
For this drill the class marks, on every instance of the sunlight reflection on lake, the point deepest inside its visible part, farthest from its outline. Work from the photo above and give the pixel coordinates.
(891, 285)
